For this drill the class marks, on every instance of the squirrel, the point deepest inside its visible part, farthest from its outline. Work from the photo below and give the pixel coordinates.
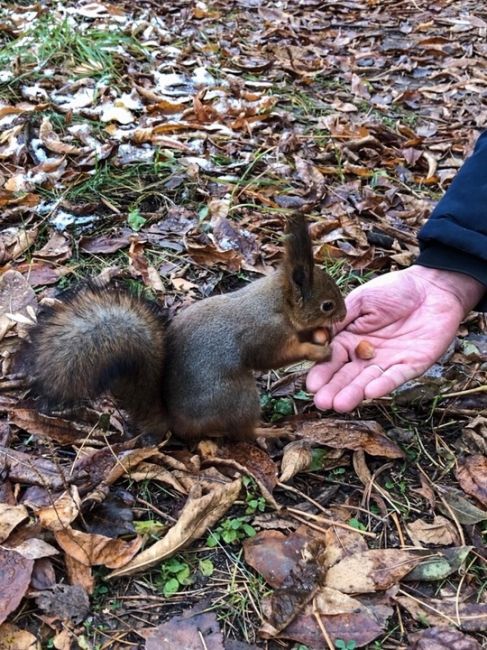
(194, 375)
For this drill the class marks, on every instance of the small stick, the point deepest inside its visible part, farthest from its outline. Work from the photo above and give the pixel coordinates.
(328, 522)
(324, 632)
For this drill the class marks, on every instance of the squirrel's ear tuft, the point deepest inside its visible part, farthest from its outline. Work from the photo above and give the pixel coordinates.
(298, 259)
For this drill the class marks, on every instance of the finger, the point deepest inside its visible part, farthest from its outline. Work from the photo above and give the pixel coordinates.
(391, 379)
(321, 373)
(353, 303)
(343, 380)
(353, 394)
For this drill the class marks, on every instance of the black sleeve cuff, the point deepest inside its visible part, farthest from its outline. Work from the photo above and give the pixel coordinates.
(438, 256)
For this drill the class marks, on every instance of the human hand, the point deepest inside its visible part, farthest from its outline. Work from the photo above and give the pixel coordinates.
(410, 317)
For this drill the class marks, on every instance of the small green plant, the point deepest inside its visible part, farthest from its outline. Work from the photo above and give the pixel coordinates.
(230, 531)
(135, 220)
(150, 527)
(318, 459)
(276, 409)
(345, 645)
(206, 567)
(255, 502)
(355, 523)
(175, 573)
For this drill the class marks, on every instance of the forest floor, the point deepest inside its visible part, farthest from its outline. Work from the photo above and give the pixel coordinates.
(161, 145)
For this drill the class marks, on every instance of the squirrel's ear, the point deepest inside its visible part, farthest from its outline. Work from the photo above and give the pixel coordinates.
(298, 258)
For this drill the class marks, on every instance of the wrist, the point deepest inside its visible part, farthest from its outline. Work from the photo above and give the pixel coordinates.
(467, 290)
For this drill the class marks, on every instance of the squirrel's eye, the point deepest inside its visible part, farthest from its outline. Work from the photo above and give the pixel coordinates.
(327, 306)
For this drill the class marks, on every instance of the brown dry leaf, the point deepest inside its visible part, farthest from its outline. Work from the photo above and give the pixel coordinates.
(341, 543)
(13, 638)
(16, 571)
(371, 571)
(79, 574)
(248, 459)
(62, 512)
(63, 640)
(27, 469)
(472, 476)
(191, 630)
(10, 517)
(275, 555)
(35, 549)
(297, 457)
(17, 298)
(350, 434)
(470, 617)
(442, 638)
(426, 491)
(17, 243)
(203, 251)
(108, 465)
(56, 248)
(153, 472)
(201, 511)
(92, 550)
(439, 532)
(43, 575)
(51, 140)
(297, 590)
(463, 509)
(343, 617)
(104, 244)
(311, 177)
(62, 431)
(229, 237)
(138, 263)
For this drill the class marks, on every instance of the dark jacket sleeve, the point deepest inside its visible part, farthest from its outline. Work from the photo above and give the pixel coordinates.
(455, 236)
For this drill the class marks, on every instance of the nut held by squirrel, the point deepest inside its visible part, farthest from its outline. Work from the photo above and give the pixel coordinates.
(365, 350)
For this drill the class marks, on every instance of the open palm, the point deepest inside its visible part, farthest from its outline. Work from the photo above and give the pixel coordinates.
(408, 317)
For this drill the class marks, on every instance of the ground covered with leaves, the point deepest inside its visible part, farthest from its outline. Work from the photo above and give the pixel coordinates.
(162, 145)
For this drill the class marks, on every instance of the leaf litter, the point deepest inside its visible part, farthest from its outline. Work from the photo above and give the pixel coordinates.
(166, 145)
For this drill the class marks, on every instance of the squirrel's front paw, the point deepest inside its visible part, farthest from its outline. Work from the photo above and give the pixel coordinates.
(316, 352)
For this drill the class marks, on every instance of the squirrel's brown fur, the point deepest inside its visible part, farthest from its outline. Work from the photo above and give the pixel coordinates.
(194, 376)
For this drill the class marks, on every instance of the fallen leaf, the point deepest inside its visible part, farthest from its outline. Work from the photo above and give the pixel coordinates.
(62, 512)
(370, 571)
(200, 513)
(191, 630)
(16, 571)
(440, 532)
(275, 555)
(297, 457)
(468, 616)
(10, 517)
(248, 459)
(439, 564)
(349, 434)
(35, 549)
(472, 476)
(442, 638)
(16, 295)
(463, 509)
(27, 469)
(13, 638)
(343, 617)
(92, 550)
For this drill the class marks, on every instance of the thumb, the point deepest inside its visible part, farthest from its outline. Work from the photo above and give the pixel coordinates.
(354, 305)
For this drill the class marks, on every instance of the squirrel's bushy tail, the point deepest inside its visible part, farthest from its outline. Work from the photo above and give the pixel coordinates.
(95, 341)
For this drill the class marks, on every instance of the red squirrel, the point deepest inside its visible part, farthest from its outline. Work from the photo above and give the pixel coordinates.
(194, 376)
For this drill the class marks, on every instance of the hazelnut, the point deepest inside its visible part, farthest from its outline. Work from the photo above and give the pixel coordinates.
(365, 350)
